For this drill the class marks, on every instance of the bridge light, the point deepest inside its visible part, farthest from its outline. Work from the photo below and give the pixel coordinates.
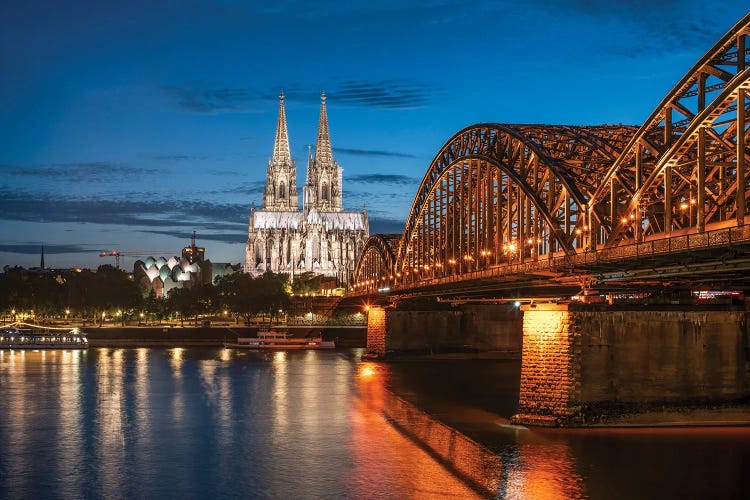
(578, 231)
(531, 241)
(624, 220)
(517, 304)
(632, 216)
(452, 261)
(692, 201)
(585, 228)
(684, 206)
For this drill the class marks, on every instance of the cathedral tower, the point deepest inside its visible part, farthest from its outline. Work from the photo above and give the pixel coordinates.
(322, 238)
(323, 185)
(281, 177)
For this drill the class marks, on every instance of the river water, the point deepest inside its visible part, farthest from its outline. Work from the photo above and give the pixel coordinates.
(214, 423)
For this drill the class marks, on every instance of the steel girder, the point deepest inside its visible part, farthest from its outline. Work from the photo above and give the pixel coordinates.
(686, 167)
(374, 268)
(496, 193)
(563, 189)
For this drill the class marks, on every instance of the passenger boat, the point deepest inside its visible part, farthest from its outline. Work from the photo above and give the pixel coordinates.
(271, 339)
(26, 336)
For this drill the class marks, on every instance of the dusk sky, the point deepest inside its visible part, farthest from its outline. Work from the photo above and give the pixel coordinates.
(127, 125)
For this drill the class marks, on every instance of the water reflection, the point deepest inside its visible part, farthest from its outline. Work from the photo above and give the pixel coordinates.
(214, 423)
(70, 421)
(416, 474)
(110, 416)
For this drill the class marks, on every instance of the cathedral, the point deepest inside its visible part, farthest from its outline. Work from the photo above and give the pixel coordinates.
(321, 237)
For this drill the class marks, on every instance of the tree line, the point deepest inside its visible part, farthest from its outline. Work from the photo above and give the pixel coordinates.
(111, 293)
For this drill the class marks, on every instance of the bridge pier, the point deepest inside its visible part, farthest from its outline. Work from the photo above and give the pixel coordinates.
(586, 364)
(441, 328)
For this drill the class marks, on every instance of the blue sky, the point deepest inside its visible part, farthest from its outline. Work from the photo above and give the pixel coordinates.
(127, 125)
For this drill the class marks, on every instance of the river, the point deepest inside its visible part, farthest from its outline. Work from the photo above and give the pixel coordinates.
(214, 423)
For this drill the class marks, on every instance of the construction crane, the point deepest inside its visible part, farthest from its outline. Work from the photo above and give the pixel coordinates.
(116, 254)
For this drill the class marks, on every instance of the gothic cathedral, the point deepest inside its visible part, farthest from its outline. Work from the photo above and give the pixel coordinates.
(320, 238)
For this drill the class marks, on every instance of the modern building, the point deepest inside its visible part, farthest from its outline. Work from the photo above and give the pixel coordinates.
(163, 274)
(320, 237)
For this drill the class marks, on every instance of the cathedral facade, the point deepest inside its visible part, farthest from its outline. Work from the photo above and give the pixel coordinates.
(320, 237)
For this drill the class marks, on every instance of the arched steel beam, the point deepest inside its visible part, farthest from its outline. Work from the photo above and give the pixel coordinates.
(381, 244)
(484, 142)
(739, 84)
(657, 132)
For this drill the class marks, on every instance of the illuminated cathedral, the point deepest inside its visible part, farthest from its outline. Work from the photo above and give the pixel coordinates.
(320, 237)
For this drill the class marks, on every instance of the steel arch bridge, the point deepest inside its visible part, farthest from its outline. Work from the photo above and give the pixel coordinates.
(505, 198)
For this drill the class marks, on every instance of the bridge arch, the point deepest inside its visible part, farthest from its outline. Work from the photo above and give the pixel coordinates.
(686, 166)
(496, 193)
(375, 266)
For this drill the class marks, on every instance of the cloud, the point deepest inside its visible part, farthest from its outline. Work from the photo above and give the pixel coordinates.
(136, 210)
(32, 248)
(372, 152)
(221, 173)
(387, 94)
(177, 157)
(96, 171)
(199, 97)
(386, 225)
(251, 188)
(392, 94)
(656, 25)
(235, 237)
(401, 180)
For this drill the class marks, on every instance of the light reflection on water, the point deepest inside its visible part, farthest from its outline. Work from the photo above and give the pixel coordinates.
(212, 423)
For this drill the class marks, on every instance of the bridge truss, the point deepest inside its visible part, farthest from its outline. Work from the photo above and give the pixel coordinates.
(500, 196)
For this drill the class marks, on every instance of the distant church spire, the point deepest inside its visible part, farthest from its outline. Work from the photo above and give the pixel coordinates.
(41, 264)
(281, 143)
(281, 178)
(323, 153)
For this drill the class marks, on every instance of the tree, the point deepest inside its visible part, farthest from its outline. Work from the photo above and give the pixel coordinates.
(246, 296)
(304, 284)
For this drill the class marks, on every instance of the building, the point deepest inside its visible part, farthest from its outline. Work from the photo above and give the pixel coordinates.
(320, 237)
(163, 274)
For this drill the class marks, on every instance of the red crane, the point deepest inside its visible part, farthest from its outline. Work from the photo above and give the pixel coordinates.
(116, 254)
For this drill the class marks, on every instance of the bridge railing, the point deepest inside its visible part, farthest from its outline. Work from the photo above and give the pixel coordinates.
(722, 237)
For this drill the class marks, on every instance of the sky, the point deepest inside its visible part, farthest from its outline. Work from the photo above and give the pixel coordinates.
(128, 125)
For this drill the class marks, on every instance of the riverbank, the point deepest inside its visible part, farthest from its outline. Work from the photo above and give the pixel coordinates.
(175, 336)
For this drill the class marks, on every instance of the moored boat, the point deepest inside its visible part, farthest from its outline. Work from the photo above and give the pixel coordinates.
(20, 335)
(271, 339)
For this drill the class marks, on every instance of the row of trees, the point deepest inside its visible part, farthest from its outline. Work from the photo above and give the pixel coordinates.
(111, 292)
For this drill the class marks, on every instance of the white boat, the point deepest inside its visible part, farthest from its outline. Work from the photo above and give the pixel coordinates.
(26, 336)
(271, 339)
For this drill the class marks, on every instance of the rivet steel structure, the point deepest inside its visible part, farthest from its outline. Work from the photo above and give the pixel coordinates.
(514, 198)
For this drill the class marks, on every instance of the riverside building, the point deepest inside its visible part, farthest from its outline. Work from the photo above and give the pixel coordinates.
(321, 237)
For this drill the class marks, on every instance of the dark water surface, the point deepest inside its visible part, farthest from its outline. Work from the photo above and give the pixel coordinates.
(213, 423)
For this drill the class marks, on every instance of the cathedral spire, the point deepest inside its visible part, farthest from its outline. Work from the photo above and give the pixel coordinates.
(323, 153)
(281, 143)
(281, 178)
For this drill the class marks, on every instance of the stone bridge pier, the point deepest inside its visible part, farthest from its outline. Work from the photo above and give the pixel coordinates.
(442, 328)
(585, 364)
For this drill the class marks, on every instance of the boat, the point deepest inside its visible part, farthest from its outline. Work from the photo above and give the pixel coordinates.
(272, 339)
(20, 335)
